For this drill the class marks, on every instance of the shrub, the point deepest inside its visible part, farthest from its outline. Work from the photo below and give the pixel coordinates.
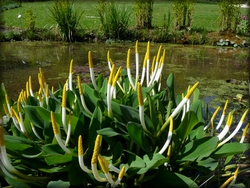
(114, 20)
(119, 131)
(243, 28)
(66, 17)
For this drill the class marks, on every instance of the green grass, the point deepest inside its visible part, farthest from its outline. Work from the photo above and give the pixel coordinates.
(206, 16)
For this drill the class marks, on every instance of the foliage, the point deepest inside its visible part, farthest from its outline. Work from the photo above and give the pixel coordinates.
(230, 11)
(243, 27)
(30, 19)
(144, 13)
(183, 14)
(66, 17)
(115, 20)
(119, 131)
(9, 4)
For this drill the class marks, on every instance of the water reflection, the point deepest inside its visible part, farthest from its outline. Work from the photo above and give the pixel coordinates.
(211, 66)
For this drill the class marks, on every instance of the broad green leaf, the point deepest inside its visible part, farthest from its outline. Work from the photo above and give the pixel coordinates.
(188, 123)
(108, 131)
(152, 161)
(117, 152)
(206, 166)
(134, 161)
(198, 149)
(33, 116)
(56, 169)
(229, 149)
(58, 159)
(58, 184)
(137, 134)
(170, 84)
(165, 178)
(18, 144)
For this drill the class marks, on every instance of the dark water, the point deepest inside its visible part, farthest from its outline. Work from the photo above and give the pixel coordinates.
(222, 72)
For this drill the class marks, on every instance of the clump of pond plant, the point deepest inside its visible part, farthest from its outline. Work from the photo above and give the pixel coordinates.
(120, 131)
(67, 18)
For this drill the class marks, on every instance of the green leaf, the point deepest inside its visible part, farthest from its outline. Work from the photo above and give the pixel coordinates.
(165, 178)
(152, 161)
(198, 149)
(108, 131)
(230, 149)
(58, 159)
(33, 116)
(58, 184)
(188, 123)
(137, 134)
(117, 152)
(170, 84)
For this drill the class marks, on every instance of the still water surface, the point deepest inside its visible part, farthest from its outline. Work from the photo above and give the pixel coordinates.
(211, 66)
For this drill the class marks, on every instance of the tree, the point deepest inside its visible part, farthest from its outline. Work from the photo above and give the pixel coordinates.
(144, 13)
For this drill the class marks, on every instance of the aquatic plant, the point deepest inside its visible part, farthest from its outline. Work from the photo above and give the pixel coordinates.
(120, 131)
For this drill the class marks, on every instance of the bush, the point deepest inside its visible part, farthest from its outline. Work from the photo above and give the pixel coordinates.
(114, 20)
(67, 18)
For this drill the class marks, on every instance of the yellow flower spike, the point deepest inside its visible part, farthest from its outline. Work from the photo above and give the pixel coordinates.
(79, 85)
(118, 73)
(148, 50)
(103, 164)
(192, 90)
(140, 98)
(7, 103)
(15, 114)
(96, 149)
(94, 160)
(136, 61)
(80, 156)
(244, 133)
(64, 96)
(27, 89)
(52, 89)
(53, 121)
(121, 174)
(105, 170)
(211, 122)
(70, 75)
(80, 147)
(222, 115)
(129, 70)
(141, 108)
(169, 152)
(236, 130)
(5, 110)
(128, 59)
(169, 136)
(230, 180)
(158, 54)
(112, 73)
(226, 128)
(30, 87)
(143, 69)
(90, 59)
(91, 70)
(58, 136)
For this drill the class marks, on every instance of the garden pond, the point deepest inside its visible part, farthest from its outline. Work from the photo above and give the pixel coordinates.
(223, 72)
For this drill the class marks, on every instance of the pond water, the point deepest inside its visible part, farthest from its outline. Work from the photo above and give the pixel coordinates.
(223, 73)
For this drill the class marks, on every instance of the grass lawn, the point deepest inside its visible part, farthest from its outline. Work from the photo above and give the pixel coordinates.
(206, 16)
